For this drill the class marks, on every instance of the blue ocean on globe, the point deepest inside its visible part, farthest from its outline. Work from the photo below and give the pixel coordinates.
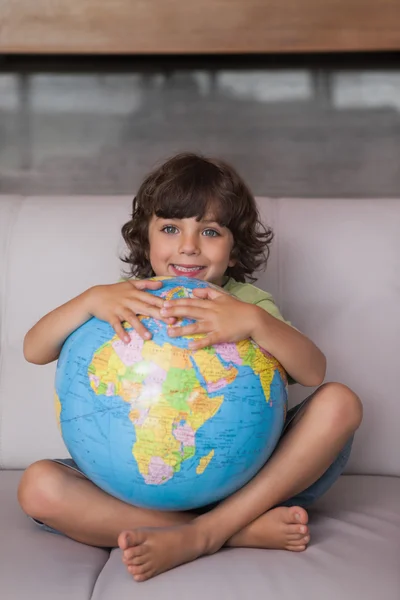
(161, 426)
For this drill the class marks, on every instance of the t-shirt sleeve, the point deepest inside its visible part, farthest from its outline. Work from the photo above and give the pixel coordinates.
(252, 294)
(269, 305)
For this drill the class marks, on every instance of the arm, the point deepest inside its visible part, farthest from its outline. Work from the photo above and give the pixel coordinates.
(223, 318)
(115, 303)
(43, 343)
(298, 355)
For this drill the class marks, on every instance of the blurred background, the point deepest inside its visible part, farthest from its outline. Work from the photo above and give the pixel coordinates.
(303, 97)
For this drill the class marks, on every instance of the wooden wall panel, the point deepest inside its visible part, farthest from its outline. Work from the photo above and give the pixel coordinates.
(202, 26)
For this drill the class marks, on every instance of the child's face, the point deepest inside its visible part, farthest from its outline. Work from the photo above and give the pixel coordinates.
(200, 249)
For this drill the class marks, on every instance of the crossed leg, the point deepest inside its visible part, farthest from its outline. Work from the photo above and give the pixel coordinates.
(328, 420)
(154, 541)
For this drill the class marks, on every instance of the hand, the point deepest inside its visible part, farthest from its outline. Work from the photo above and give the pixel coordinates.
(123, 301)
(221, 317)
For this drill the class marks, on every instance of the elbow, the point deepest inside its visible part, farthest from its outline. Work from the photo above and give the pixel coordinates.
(29, 357)
(315, 373)
(320, 371)
(29, 353)
(35, 357)
(316, 382)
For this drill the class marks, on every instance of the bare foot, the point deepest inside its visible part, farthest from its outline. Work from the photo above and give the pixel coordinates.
(281, 528)
(151, 551)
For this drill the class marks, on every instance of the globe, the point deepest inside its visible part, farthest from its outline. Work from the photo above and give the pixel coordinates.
(161, 426)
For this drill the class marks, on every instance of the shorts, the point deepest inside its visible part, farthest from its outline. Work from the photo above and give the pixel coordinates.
(304, 499)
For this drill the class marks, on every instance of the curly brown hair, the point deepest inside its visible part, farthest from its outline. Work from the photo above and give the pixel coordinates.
(190, 185)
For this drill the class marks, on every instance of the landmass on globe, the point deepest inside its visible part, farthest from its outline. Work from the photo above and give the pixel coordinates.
(171, 393)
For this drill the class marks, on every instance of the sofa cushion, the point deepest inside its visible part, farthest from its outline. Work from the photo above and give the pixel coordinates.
(37, 565)
(353, 554)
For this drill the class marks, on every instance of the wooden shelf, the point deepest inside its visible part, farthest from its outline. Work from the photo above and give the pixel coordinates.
(197, 27)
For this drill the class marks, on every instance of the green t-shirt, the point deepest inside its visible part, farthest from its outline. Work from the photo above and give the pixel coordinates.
(253, 295)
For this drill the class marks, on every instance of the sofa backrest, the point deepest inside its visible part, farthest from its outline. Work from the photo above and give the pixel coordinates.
(334, 271)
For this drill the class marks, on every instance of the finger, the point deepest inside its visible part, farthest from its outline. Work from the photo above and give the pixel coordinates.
(193, 329)
(207, 293)
(147, 298)
(202, 343)
(170, 320)
(196, 302)
(146, 310)
(119, 330)
(143, 284)
(137, 325)
(188, 312)
(200, 293)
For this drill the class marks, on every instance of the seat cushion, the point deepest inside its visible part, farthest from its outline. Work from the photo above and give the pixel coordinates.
(354, 553)
(38, 565)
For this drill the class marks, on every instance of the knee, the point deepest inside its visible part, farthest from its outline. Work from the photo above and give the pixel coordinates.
(39, 489)
(342, 404)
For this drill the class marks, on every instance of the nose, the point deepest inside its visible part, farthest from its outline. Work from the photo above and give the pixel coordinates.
(189, 244)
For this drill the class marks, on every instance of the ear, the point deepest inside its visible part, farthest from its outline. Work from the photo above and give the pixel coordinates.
(232, 259)
(233, 255)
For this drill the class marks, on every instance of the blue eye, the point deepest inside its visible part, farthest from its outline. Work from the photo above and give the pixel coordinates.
(169, 229)
(210, 233)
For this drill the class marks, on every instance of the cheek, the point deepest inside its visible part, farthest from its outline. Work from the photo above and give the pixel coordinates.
(152, 252)
(158, 251)
(220, 254)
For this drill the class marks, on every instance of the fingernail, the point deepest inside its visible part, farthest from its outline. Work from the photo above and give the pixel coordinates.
(163, 312)
(147, 335)
(167, 304)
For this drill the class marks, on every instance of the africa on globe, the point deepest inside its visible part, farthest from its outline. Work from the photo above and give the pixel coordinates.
(159, 425)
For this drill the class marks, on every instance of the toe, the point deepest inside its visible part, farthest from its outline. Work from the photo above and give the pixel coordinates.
(300, 542)
(299, 548)
(133, 552)
(136, 569)
(138, 561)
(144, 576)
(295, 537)
(296, 514)
(140, 572)
(127, 539)
(123, 540)
(297, 529)
(298, 545)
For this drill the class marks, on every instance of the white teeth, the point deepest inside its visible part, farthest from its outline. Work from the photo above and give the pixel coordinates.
(187, 269)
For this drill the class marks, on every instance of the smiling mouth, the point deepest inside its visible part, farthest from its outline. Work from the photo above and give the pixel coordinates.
(187, 268)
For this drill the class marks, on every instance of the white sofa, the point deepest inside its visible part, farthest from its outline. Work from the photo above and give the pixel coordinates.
(335, 273)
